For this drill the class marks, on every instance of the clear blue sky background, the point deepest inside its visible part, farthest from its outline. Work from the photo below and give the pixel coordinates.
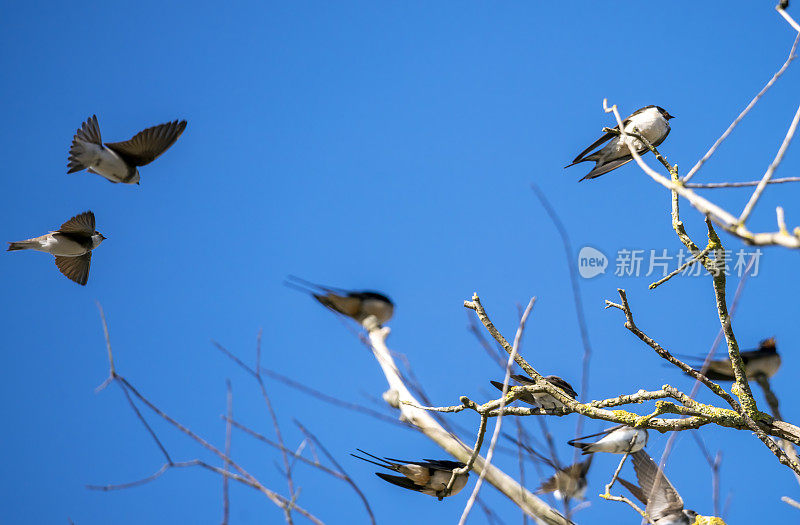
(366, 145)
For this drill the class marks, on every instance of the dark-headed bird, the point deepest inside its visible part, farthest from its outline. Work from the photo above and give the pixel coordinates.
(72, 246)
(616, 440)
(120, 161)
(652, 122)
(358, 305)
(764, 360)
(429, 476)
(663, 504)
(568, 482)
(540, 399)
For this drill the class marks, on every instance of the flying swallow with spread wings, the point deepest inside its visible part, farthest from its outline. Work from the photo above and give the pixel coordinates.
(120, 161)
(71, 244)
(663, 504)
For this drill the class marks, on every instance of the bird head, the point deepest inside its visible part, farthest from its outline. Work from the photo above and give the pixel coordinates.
(664, 113)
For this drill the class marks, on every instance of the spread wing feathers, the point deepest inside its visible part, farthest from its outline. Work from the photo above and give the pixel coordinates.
(400, 481)
(81, 223)
(560, 479)
(147, 145)
(75, 268)
(636, 491)
(662, 497)
(603, 139)
(90, 131)
(608, 166)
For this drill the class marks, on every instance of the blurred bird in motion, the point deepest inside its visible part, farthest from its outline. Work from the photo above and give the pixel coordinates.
(616, 440)
(663, 504)
(119, 161)
(540, 399)
(358, 305)
(763, 360)
(72, 246)
(652, 122)
(568, 482)
(428, 476)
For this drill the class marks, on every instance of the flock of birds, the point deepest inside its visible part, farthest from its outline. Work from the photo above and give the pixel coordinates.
(119, 162)
(663, 504)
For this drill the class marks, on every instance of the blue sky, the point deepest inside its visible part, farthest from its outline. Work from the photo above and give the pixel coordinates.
(364, 145)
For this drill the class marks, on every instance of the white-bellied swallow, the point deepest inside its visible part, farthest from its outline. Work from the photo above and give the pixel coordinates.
(568, 482)
(764, 360)
(120, 161)
(540, 399)
(72, 246)
(358, 305)
(663, 504)
(616, 440)
(429, 476)
(652, 122)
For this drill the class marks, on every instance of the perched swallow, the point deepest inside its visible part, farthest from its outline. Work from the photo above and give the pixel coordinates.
(652, 123)
(119, 161)
(429, 476)
(541, 399)
(765, 360)
(358, 305)
(663, 504)
(616, 440)
(568, 482)
(72, 245)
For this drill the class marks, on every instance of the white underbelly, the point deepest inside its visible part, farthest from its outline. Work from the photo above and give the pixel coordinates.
(59, 245)
(108, 164)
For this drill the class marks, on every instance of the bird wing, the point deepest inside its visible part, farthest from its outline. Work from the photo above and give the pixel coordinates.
(346, 305)
(440, 464)
(662, 498)
(603, 139)
(400, 481)
(81, 223)
(75, 268)
(563, 385)
(147, 145)
(602, 433)
(608, 166)
(636, 491)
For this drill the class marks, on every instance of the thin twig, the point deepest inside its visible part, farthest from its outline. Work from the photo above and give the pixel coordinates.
(577, 299)
(714, 185)
(225, 494)
(748, 209)
(691, 261)
(747, 109)
(336, 464)
(498, 422)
